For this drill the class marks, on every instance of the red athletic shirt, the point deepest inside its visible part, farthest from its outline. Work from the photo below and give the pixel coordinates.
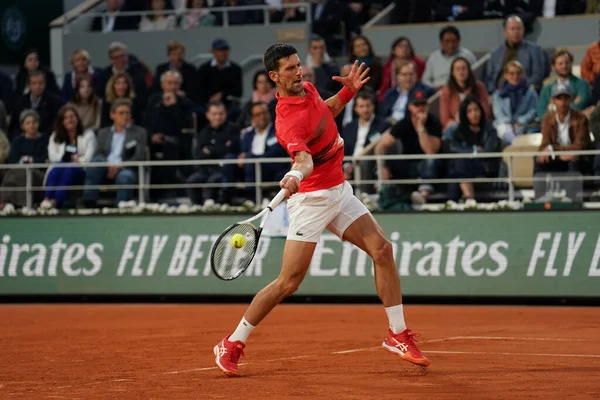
(306, 124)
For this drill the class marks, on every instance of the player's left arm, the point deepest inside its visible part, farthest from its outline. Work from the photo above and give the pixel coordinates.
(355, 80)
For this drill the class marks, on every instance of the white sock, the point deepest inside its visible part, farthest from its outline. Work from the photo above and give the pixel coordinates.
(242, 331)
(396, 318)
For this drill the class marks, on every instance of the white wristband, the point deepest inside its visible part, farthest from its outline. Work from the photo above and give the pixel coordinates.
(296, 174)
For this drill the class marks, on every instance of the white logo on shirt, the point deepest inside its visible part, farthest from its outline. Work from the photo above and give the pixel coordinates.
(292, 144)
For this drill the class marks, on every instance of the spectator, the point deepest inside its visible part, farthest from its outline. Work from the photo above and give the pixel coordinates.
(120, 62)
(69, 143)
(420, 133)
(44, 102)
(87, 105)
(437, 69)
(31, 64)
(264, 92)
(289, 14)
(473, 134)
(220, 80)
(529, 54)
(459, 10)
(360, 133)
(168, 113)
(237, 17)
(514, 103)
(120, 86)
(402, 50)
(30, 147)
(324, 70)
(362, 51)
(197, 15)
(550, 9)
(462, 83)
(258, 141)
(112, 21)
(160, 20)
(327, 17)
(565, 129)
(6, 99)
(4, 150)
(562, 63)
(176, 56)
(590, 64)
(82, 68)
(122, 142)
(395, 102)
(218, 140)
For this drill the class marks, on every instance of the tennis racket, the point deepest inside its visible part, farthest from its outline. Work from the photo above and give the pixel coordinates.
(229, 262)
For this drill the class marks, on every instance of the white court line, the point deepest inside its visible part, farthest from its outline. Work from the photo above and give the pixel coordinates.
(507, 338)
(512, 354)
(355, 350)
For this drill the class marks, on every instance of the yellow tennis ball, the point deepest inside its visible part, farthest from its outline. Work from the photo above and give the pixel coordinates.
(238, 241)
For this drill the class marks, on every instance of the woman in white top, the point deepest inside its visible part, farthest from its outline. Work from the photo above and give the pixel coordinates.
(69, 143)
(158, 21)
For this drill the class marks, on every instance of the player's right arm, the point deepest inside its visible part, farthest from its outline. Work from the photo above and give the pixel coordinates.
(301, 169)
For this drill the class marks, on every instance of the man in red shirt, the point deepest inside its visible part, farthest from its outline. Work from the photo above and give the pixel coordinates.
(319, 199)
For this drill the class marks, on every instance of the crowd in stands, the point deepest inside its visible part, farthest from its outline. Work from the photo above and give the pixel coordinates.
(124, 112)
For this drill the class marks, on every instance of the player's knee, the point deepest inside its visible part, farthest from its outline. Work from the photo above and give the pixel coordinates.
(382, 252)
(288, 287)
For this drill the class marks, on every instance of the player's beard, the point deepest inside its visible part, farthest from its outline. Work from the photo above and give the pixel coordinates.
(296, 88)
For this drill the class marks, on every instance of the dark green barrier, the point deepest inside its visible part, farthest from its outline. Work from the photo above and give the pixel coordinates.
(480, 254)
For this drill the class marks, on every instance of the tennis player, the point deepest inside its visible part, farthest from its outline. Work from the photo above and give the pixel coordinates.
(320, 198)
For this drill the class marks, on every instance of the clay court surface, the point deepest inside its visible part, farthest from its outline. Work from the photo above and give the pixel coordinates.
(300, 352)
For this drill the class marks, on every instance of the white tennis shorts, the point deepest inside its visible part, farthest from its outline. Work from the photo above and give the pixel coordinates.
(333, 209)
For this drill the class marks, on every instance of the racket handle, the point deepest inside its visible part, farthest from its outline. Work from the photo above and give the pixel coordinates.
(277, 199)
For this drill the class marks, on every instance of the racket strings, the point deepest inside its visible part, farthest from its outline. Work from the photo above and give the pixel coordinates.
(228, 261)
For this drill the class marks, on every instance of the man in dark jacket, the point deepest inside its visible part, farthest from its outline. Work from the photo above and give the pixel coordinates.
(176, 56)
(217, 141)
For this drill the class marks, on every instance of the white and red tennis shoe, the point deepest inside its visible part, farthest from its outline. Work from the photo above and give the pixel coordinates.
(403, 345)
(227, 355)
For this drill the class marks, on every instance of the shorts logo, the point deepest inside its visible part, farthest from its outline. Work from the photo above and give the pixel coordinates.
(299, 233)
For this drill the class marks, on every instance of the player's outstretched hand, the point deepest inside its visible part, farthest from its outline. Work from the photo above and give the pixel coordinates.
(291, 184)
(357, 77)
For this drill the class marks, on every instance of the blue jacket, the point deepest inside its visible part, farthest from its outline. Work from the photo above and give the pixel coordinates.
(392, 94)
(529, 54)
(272, 148)
(525, 113)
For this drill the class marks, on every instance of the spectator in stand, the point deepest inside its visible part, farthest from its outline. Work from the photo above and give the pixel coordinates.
(121, 142)
(258, 141)
(4, 150)
(38, 98)
(197, 15)
(6, 99)
(515, 103)
(69, 143)
(31, 64)
(562, 64)
(289, 14)
(551, 9)
(360, 133)
(362, 51)
(220, 79)
(565, 129)
(530, 56)
(473, 134)
(82, 68)
(120, 62)
(264, 92)
(160, 21)
(402, 50)
(176, 56)
(459, 10)
(590, 64)
(87, 105)
(437, 69)
(324, 70)
(420, 133)
(462, 83)
(120, 86)
(238, 17)
(327, 17)
(218, 140)
(168, 113)
(29, 147)
(112, 21)
(395, 101)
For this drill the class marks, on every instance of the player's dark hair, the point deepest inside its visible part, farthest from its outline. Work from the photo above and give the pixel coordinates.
(276, 53)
